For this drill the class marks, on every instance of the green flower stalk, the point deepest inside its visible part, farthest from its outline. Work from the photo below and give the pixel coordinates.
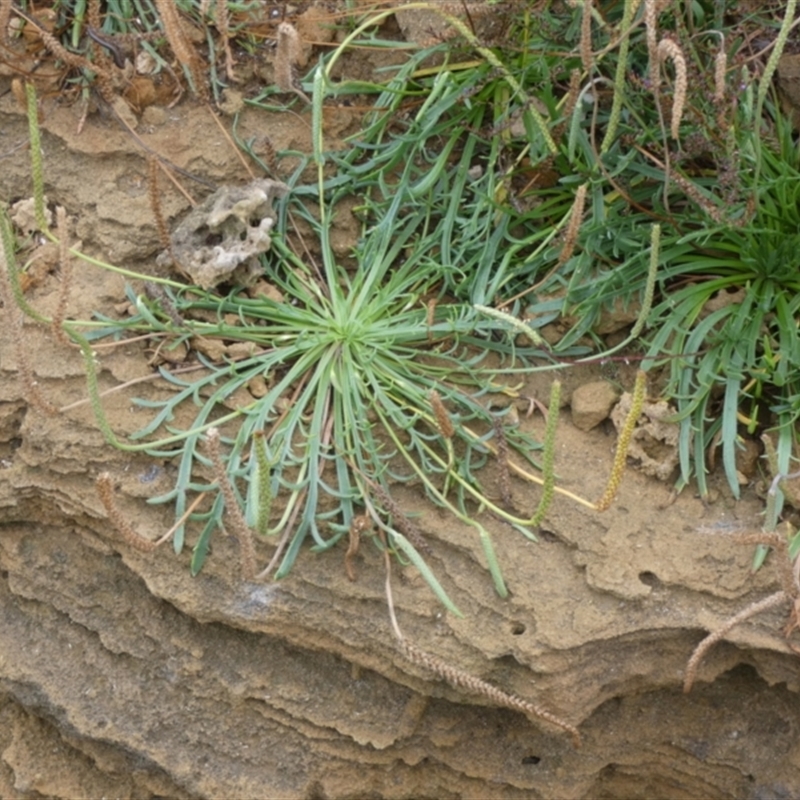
(37, 169)
(618, 468)
(548, 456)
(619, 76)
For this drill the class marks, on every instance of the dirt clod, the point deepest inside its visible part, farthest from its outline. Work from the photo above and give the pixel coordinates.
(655, 438)
(591, 403)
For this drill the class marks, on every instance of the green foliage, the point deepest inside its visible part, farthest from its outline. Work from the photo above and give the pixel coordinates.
(731, 321)
(722, 273)
(465, 178)
(351, 354)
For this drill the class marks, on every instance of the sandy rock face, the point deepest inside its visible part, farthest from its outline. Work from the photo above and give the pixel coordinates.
(151, 683)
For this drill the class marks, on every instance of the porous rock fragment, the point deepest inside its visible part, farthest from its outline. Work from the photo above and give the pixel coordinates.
(220, 240)
(655, 438)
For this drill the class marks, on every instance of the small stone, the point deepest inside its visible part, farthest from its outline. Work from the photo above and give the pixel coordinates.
(23, 215)
(171, 355)
(592, 403)
(257, 385)
(125, 113)
(231, 102)
(265, 289)
(154, 116)
(213, 348)
(239, 399)
(239, 350)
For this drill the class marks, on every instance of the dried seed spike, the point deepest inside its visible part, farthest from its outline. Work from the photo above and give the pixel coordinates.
(706, 644)
(573, 93)
(463, 680)
(694, 193)
(105, 490)
(287, 55)
(60, 52)
(568, 107)
(430, 317)
(403, 523)
(585, 48)
(270, 156)
(720, 68)
(284, 76)
(442, 416)
(358, 525)
(623, 442)
(667, 48)
(574, 226)
(239, 527)
(100, 56)
(456, 677)
(222, 21)
(650, 18)
(289, 42)
(93, 14)
(181, 45)
(769, 538)
(155, 202)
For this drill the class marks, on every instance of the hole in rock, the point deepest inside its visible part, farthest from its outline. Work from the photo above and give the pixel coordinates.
(649, 578)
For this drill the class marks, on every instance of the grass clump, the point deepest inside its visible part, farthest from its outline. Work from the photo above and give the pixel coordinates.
(732, 331)
(374, 373)
(362, 363)
(670, 137)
